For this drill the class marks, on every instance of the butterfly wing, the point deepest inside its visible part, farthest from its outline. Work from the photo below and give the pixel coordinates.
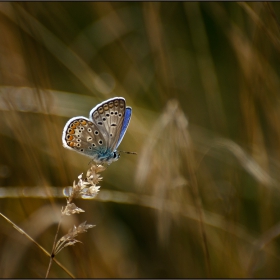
(127, 117)
(109, 117)
(83, 136)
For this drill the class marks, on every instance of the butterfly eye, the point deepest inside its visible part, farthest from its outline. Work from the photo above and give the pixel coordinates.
(93, 145)
(116, 113)
(120, 114)
(96, 132)
(111, 134)
(107, 115)
(89, 130)
(82, 150)
(78, 140)
(100, 123)
(78, 145)
(112, 113)
(104, 119)
(89, 138)
(100, 142)
(116, 155)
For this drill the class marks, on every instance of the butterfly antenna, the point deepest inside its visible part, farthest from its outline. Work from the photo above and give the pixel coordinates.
(129, 153)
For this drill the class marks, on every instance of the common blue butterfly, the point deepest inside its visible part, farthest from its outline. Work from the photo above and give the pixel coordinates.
(99, 136)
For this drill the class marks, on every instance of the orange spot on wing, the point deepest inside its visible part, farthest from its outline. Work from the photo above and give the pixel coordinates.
(70, 144)
(69, 137)
(72, 125)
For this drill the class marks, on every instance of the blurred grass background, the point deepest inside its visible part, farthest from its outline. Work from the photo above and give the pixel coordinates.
(201, 198)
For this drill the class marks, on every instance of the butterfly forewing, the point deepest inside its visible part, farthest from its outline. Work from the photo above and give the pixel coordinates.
(108, 117)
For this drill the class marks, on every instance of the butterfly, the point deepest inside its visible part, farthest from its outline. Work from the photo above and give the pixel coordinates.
(100, 135)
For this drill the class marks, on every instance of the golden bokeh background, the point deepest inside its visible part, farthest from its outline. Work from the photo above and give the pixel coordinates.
(201, 198)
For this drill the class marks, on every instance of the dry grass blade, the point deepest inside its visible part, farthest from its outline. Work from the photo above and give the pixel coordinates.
(85, 188)
(170, 137)
(37, 244)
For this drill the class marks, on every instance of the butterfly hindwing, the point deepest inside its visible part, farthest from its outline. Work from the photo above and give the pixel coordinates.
(82, 135)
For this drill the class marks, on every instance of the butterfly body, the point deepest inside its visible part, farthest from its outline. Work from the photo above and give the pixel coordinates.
(99, 136)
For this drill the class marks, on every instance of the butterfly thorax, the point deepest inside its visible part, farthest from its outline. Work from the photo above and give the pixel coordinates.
(106, 156)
